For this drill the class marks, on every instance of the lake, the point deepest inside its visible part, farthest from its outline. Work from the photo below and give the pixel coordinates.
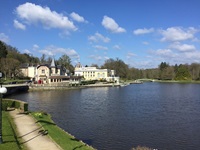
(164, 116)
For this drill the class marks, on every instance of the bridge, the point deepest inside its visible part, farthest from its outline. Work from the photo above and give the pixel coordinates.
(15, 88)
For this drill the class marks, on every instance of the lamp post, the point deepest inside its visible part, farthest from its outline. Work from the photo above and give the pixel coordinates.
(3, 90)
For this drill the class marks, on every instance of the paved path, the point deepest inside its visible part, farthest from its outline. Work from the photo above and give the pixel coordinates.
(28, 131)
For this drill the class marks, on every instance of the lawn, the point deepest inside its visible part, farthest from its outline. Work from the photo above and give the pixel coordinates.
(10, 141)
(63, 139)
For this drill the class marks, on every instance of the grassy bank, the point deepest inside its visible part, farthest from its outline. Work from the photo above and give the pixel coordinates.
(178, 81)
(63, 139)
(10, 141)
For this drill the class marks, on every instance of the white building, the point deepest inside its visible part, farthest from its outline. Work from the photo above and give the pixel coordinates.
(92, 73)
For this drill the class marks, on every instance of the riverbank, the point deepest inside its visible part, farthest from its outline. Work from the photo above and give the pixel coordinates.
(33, 131)
(48, 87)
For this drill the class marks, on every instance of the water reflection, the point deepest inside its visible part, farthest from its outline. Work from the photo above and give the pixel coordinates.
(157, 115)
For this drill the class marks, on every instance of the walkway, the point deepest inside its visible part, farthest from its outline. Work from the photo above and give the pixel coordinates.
(28, 130)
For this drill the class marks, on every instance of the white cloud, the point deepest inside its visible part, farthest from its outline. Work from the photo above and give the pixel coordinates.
(19, 25)
(117, 47)
(164, 53)
(95, 57)
(98, 37)
(182, 47)
(27, 51)
(192, 57)
(177, 34)
(130, 55)
(143, 31)
(145, 43)
(53, 50)
(4, 38)
(35, 14)
(77, 17)
(35, 46)
(46, 52)
(99, 47)
(111, 25)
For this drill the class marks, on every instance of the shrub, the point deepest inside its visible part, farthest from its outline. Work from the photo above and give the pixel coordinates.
(14, 104)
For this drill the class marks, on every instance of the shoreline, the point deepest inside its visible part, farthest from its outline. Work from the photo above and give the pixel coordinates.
(45, 87)
(27, 126)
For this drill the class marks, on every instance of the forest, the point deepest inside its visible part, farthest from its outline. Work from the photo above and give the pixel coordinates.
(11, 60)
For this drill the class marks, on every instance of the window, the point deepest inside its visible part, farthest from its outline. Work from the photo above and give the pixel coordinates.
(43, 71)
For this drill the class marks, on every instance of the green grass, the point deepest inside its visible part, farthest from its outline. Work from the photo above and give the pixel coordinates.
(10, 141)
(63, 139)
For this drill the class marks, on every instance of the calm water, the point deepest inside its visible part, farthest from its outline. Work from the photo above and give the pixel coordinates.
(165, 116)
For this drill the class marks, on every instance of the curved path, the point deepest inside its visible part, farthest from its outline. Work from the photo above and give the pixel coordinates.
(28, 130)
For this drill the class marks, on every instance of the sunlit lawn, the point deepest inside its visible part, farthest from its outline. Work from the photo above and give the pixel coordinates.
(9, 138)
(63, 139)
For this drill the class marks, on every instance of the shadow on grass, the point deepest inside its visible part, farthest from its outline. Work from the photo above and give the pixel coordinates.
(79, 147)
(83, 144)
(7, 141)
(47, 122)
(75, 139)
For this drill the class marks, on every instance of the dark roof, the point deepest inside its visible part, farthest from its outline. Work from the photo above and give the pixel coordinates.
(47, 65)
(25, 65)
(59, 77)
(65, 77)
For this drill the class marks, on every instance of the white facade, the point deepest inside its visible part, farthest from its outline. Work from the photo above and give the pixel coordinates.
(92, 73)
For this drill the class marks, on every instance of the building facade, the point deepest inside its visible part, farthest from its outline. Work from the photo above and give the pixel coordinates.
(46, 73)
(93, 73)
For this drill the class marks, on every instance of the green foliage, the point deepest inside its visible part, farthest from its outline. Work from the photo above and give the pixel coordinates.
(65, 61)
(88, 82)
(118, 65)
(163, 66)
(183, 73)
(14, 104)
(62, 138)
(10, 141)
(3, 51)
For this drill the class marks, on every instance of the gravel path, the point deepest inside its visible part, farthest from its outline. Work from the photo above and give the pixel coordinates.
(31, 133)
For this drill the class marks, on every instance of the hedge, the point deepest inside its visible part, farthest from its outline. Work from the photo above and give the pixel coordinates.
(12, 103)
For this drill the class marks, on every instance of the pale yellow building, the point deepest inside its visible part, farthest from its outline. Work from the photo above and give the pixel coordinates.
(93, 73)
(29, 71)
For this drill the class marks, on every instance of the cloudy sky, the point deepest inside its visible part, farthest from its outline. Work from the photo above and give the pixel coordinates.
(142, 33)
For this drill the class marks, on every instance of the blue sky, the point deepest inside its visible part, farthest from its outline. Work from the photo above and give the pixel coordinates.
(142, 33)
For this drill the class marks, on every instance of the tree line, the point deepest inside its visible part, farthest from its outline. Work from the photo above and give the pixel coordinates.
(11, 60)
(163, 72)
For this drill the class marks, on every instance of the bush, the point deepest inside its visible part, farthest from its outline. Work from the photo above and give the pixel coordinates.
(14, 104)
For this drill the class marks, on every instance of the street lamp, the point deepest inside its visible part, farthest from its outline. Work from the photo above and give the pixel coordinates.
(3, 90)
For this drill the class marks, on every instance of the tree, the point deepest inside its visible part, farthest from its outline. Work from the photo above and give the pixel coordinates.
(65, 61)
(163, 68)
(168, 73)
(163, 65)
(118, 65)
(43, 59)
(195, 71)
(183, 73)
(3, 51)
(10, 67)
(94, 65)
